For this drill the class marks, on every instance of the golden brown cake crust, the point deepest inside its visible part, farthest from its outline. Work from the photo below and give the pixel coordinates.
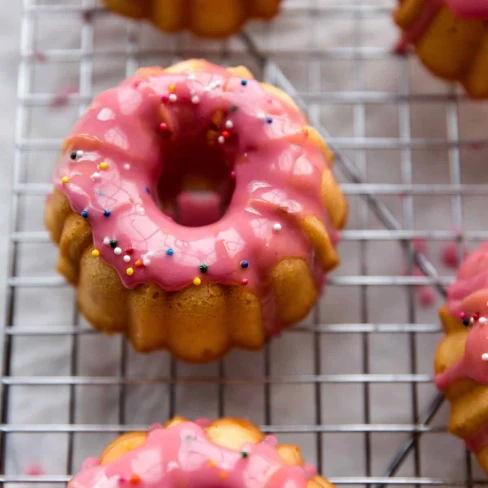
(452, 48)
(205, 18)
(469, 399)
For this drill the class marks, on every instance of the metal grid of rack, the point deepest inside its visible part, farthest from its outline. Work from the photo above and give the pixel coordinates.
(352, 384)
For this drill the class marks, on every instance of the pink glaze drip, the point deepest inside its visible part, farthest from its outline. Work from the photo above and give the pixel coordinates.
(464, 9)
(469, 295)
(183, 455)
(469, 9)
(277, 172)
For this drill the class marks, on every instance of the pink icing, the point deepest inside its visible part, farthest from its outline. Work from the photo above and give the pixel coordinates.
(183, 455)
(465, 9)
(468, 296)
(266, 154)
(469, 9)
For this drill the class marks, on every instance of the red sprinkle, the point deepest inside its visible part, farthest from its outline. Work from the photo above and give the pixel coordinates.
(226, 134)
(163, 127)
(135, 479)
(245, 281)
(129, 250)
(165, 98)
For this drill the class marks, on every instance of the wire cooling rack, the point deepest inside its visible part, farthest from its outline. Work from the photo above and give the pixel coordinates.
(352, 384)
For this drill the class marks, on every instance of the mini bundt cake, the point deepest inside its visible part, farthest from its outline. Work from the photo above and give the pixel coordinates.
(195, 210)
(225, 453)
(205, 18)
(461, 363)
(450, 38)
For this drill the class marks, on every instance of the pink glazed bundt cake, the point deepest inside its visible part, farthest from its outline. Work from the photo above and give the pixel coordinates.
(450, 38)
(461, 363)
(227, 453)
(195, 210)
(205, 18)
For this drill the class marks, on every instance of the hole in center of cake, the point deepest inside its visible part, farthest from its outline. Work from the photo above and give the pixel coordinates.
(197, 178)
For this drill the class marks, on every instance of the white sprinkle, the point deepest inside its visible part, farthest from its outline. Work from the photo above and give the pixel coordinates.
(149, 254)
(207, 89)
(141, 211)
(173, 98)
(483, 320)
(95, 176)
(261, 116)
(126, 166)
(117, 251)
(191, 77)
(127, 259)
(195, 99)
(471, 320)
(147, 262)
(106, 114)
(484, 356)
(106, 240)
(218, 83)
(221, 139)
(229, 124)
(277, 227)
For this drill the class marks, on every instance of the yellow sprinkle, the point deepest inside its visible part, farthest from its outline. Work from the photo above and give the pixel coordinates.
(103, 166)
(64, 180)
(95, 253)
(129, 271)
(212, 463)
(171, 88)
(197, 281)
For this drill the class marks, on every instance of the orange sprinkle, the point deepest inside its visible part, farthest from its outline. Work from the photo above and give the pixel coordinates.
(223, 475)
(135, 479)
(212, 464)
(138, 264)
(171, 88)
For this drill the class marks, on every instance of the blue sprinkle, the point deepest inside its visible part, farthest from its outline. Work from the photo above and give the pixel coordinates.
(106, 213)
(170, 252)
(243, 82)
(84, 214)
(148, 191)
(269, 120)
(244, 264)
